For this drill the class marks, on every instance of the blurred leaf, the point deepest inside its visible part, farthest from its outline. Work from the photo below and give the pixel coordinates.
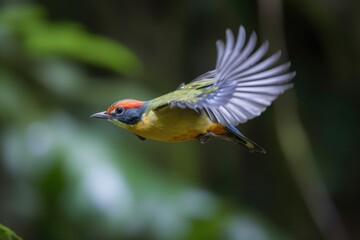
(68, 40)
(7, 234)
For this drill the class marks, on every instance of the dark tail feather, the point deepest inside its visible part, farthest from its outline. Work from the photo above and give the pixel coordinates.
(238, 137)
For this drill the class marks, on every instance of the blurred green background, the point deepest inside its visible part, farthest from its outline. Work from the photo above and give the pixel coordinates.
(65, 176)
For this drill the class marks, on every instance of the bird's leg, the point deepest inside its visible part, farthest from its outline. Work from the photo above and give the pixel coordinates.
(204, 138)
(141, 137)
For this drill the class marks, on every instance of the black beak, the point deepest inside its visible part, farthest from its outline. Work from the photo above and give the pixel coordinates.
(102, 115)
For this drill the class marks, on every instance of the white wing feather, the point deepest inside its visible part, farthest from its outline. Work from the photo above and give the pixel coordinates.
(246, 82)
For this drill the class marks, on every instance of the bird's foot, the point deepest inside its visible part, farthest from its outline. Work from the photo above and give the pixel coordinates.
(204, 138)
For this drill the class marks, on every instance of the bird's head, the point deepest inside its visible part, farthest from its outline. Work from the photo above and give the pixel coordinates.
(123, 113)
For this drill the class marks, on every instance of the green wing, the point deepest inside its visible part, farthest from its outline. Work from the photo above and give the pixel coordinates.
(186, 96)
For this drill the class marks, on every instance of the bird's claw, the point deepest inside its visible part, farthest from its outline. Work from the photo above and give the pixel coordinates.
(204, 138)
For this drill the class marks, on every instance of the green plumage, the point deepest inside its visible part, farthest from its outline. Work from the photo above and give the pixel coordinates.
(190, 93)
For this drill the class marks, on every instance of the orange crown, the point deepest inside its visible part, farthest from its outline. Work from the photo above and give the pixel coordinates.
(127, 103)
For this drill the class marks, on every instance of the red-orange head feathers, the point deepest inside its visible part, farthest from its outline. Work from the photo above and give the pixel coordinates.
(126, 104)
(124, 112)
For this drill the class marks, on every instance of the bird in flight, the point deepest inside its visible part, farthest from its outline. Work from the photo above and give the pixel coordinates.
(242, 85)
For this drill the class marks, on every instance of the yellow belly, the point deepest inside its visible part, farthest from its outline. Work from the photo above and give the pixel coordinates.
(174, 125)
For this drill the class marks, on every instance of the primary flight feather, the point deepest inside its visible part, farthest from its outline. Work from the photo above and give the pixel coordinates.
(242, 85)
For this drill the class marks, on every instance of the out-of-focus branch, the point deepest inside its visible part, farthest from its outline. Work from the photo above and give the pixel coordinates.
(294, 140)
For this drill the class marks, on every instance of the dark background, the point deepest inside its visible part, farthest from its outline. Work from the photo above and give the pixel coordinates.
(65, 176)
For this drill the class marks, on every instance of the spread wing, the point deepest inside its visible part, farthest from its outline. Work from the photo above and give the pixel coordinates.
(241, 87)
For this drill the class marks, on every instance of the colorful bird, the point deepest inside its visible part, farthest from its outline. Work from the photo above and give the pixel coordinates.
(242, 85)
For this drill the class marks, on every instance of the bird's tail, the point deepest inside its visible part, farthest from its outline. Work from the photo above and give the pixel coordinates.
(236, 136)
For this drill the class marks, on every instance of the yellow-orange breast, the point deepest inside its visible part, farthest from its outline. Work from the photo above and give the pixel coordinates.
(174, 125)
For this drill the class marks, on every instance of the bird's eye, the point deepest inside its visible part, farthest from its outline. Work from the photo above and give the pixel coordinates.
(119, 110)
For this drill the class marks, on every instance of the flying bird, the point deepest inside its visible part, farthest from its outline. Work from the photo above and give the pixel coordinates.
(242, 85)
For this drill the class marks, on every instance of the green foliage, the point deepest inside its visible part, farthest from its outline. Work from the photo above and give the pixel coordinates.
(70, 40)
(7, 234)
